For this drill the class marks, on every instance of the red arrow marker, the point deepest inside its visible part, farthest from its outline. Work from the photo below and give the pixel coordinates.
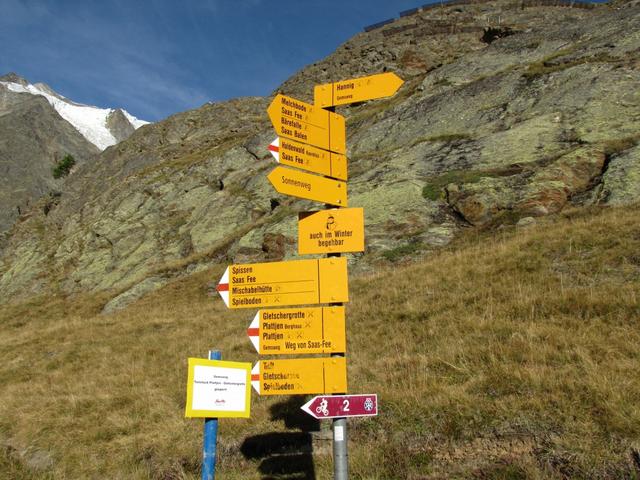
(335, 406)
(254, 332)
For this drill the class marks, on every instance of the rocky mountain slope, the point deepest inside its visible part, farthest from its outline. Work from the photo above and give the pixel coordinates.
(38, 127)
(509, 111)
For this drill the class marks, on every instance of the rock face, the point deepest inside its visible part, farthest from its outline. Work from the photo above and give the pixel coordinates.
(34, 137)
(119, 125)
(508, 112)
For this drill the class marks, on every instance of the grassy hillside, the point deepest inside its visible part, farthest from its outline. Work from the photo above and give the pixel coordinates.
(507, 356)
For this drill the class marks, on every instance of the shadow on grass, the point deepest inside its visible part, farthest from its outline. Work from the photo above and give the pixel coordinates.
(285, 454)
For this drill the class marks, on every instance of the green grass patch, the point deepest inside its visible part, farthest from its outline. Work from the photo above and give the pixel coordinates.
(434, 186)
(402, 251)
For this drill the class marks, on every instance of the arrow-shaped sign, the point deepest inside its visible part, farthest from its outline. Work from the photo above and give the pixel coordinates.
(298, 331)
(336, 406)
(311, 187)
(356, 90)
(294, 154)
(300, 376)
(308, 124)
(297, 282)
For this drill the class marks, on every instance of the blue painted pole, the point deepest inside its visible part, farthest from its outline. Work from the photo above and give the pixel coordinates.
(210, 437)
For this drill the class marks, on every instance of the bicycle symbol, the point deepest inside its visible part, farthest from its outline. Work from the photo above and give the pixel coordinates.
(322, 408)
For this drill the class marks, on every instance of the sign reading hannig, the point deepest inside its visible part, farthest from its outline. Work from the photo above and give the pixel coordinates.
(356, 90)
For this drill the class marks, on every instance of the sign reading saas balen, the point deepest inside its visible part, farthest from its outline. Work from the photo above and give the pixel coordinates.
(308, 124)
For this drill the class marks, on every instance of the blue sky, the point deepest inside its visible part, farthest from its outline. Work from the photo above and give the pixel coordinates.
(159, 57)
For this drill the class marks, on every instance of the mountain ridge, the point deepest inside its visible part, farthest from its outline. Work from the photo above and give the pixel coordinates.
(483, 133)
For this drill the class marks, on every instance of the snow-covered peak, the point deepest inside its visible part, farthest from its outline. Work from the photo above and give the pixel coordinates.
(91, 122)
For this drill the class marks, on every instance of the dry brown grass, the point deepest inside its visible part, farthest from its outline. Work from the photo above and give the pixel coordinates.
(504, 357)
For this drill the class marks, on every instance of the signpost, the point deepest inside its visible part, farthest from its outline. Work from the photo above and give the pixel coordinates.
(339, 406)
(298, 331)
(294, 154)
(308, 124)
(300, 376)
(311, 187)
(311, 138)
(356, 90)
(331, 231)
(296, 282)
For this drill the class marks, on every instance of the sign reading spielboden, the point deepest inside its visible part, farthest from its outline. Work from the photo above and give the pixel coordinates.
(297, 376)
(273, 284)
(331, 231)
(299, 331)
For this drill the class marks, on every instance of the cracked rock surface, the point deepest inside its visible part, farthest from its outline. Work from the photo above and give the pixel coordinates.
(481, 134)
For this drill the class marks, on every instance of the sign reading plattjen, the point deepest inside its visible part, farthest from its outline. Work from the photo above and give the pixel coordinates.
(299, 330)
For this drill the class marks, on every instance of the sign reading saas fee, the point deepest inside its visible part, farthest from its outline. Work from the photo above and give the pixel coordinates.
(218, 388)
(294, 154)
(308, 124)
(297, 282)
(299, 330)
(331, 231)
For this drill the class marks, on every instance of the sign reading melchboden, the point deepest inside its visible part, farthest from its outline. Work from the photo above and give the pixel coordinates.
(308, 124)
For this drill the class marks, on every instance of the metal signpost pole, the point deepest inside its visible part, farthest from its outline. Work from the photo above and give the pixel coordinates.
(339, 425)
(210, 437)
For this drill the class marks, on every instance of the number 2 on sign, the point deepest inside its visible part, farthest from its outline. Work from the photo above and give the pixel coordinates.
(345, 406)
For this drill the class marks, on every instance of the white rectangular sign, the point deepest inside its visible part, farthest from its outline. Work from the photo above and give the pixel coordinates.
(218, 389)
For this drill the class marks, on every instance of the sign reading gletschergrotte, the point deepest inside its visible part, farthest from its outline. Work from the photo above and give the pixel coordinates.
(218, 388)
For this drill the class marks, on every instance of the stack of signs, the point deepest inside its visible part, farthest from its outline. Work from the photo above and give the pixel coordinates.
(311, 153)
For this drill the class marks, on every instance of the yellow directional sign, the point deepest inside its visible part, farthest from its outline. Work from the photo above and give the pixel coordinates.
(312, 187)
(295, 154)
(299, 330)
(356, 90)
(331, 231)
(300, 376)
(277, 284)
(308, 123)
